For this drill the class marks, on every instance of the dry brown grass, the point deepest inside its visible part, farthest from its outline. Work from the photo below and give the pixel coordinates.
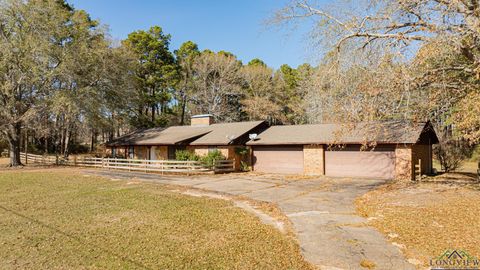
(467, 166)
(4, 162)
(367, 264)
(426, 218)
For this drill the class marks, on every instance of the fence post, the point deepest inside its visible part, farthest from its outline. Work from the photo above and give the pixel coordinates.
(419, 172)
(420, 169)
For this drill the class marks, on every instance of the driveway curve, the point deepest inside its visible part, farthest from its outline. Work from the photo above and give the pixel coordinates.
(322, 211)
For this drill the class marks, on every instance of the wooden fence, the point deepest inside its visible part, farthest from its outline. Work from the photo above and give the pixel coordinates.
(161, 166)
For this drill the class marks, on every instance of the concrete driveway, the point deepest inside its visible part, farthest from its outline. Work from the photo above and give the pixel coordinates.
(322, 211)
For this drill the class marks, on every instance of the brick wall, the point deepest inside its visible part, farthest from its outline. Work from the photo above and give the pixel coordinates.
(201, 121)
(141, 152)
(314, 159)
(199, 150)
(161, 152)
(403, 162)
(121, 151)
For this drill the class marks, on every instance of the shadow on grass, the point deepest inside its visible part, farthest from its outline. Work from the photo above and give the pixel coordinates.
(74, 237)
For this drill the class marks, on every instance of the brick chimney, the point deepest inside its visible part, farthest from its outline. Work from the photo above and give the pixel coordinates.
(202, 120)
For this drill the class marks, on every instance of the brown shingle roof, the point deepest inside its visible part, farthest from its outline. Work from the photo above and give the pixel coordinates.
(225, 133)
(160, 136)
(216, 134)
(380, 132)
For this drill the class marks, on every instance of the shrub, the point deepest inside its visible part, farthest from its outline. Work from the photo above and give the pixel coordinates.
(244, 167)
(243, 153)
(77, 148)
(211, 157)
(451, 153)
(476, 154)
(185, 155)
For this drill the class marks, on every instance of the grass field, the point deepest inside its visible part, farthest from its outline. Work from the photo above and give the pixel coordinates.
(70, 221)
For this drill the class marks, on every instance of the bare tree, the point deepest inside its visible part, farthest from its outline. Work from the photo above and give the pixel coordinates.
(261, 101)
(217, 86)
(435, 47)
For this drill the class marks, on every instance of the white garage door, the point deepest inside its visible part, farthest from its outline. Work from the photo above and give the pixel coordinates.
(278, 159)
(351, 162)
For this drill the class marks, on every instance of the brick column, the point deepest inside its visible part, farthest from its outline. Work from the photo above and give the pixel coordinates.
(403, 163)
(314, 159)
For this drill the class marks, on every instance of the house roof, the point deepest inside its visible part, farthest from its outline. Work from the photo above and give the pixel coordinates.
(165, 136)
(225, 133)
(215, 134)
(391, 132)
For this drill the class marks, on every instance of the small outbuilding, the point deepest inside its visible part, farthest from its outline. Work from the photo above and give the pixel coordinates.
(369, 150)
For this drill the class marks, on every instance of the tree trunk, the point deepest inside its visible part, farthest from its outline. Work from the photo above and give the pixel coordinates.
(46, 145)
(184, 107)
(14, 141)
(66, 148)
(92, 141)
(153, 114)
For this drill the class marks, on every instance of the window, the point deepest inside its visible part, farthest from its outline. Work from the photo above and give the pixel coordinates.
(131, 152)
(212, 149)
(114, 152)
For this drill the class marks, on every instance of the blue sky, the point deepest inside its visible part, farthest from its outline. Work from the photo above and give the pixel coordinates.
(235, 26)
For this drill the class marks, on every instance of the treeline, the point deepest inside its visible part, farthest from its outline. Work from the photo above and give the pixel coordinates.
(65, 86)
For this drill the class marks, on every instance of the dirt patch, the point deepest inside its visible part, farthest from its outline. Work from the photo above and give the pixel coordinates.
(426, 219)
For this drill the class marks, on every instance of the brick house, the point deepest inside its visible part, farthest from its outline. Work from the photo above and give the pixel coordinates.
(200, 137)
(372, 150)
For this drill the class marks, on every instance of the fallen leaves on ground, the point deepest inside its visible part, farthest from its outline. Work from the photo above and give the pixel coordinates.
(425, 219)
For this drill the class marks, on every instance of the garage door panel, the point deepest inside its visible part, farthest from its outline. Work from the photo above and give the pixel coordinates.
(375, 164)
(278, 159)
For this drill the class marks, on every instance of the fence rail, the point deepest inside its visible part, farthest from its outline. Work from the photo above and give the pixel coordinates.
(162, 166)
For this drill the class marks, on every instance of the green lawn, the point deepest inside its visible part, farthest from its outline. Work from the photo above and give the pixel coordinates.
(70, 221)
